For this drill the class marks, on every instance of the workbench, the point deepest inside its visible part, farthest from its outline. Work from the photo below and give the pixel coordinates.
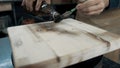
(67, 43)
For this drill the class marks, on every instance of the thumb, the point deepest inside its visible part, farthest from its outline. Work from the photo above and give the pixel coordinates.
(48, 1)
(23, 2)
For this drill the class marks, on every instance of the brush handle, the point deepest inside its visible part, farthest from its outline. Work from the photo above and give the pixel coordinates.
(74, 9)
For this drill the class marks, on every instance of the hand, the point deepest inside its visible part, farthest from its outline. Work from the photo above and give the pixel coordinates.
(92, 7)
(29, 4)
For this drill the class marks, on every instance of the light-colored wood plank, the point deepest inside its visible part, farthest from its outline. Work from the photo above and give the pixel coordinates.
(67, 43)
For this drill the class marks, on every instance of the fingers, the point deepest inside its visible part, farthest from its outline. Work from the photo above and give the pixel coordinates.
(97, 12)
(23, 3)
(39, 4)
(48, 1)
(87, 4)
(37, 7)
(91, 7)
(28, 4)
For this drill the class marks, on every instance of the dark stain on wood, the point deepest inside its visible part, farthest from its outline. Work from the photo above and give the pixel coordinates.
(33, 31)
(51, 27)
(47, 27)
(100, 39)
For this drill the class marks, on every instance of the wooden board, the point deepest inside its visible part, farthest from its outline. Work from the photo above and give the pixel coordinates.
(5, 7)
(67, 43)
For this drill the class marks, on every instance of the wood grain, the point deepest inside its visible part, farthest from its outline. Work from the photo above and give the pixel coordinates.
(108, 20)
(67, 43)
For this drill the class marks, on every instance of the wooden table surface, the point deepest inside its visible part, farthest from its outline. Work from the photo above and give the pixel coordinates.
(66, 43)
(108, 20)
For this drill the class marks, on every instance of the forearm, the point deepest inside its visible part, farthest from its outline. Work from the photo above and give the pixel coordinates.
(114, 4)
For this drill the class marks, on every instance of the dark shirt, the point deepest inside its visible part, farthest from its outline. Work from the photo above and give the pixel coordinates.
(114, 4)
